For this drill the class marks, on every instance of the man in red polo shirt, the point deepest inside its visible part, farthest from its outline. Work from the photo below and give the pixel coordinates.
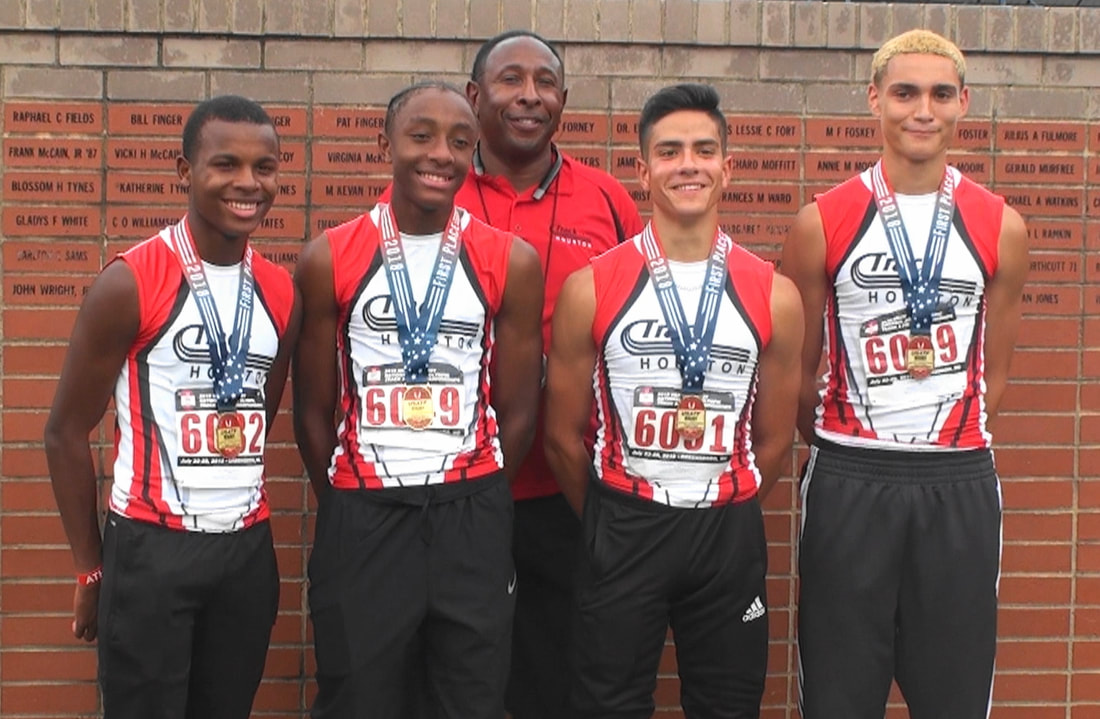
(522, 182)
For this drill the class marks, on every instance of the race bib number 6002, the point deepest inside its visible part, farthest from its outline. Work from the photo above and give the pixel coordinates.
(201, 458)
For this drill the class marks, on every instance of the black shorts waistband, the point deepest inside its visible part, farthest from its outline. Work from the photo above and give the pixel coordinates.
(425, 494)
(649, 505)
(887, 465)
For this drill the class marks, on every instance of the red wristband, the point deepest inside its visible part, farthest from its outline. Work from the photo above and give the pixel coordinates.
(87, 579)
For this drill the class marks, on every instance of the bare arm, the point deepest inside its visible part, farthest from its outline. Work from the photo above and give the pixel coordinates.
(569, 393)
(517, 364)
(777, 390)
(1003, 297)
(105, 329)
(314, 371)
(276, 376)
(804, 262)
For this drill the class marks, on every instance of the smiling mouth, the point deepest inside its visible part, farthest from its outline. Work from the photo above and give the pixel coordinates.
(688, 187)
(433, 179)
(243, 208)
(526, 123)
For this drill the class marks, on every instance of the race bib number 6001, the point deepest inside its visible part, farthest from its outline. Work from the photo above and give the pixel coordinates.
(655, 435)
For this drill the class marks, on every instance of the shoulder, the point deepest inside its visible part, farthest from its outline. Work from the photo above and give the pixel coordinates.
(350, 231)
(851, 191)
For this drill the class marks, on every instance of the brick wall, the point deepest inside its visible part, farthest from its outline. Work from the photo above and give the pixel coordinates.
(94, 93)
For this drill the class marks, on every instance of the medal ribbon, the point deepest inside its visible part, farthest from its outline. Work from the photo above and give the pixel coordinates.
(690, 343)
(417, 330)
(227, 355)
(920, 286)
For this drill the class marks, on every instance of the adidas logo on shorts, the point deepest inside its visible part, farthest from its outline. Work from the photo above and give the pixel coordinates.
(755, 610)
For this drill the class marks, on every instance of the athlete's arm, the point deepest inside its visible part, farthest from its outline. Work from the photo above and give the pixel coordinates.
(569, 393)
(276, 376)
(777, 389)
(1003, 297)
(804, 262)
(104, 331)
(314, 370)
(517, 364)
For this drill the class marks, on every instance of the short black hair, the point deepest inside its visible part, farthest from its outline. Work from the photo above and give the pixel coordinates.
(398, 101)
(489, 45)
(685, 96)
(231, 108)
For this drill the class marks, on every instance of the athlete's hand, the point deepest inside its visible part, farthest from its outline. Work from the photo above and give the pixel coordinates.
(85, 610)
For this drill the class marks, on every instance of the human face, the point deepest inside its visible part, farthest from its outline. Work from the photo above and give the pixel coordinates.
(683, 166)
(232, 180)
(918, 102)
(518, 98)
(430, 146)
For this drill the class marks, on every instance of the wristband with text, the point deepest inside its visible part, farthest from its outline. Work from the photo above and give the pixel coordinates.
(87, 579)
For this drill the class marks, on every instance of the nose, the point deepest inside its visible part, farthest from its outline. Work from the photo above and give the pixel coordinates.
(247, 177)
(440, 151)
(528, 92)
(924, 106)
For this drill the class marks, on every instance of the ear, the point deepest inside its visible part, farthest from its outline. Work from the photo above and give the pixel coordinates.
(873, 100)
(964, 100)
(473, 93)
(384, 146)
(183, 169)
(643, 172)
(727, 170)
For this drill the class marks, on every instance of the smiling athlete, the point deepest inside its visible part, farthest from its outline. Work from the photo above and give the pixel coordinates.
(421, 337)
(692, 344)
(192, 331)
(911, 276)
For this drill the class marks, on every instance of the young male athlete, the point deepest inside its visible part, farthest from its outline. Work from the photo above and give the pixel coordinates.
(911, 277)
(692, 344)
(434, 317)
(523, 183)
(191, 331)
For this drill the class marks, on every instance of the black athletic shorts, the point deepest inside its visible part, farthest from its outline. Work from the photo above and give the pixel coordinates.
(899, 560)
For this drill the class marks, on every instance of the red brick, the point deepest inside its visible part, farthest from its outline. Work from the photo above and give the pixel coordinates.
(51, 117)
(70, 698)
(1034, 429)
(842, 132)
(1037, 494)
(1017, 622)
(1036, 557)
(1045, 364)
(1031, 654)
(30, 530)
(53, 666)
(1017, 590)
(26, 597)
(1030, 687)
(1084, 686)
(1057, 136)
(1042, 462)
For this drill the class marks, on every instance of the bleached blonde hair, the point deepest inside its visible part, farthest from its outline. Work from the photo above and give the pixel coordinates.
(924, 42)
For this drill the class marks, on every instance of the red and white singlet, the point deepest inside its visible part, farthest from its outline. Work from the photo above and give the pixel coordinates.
(638, 448)
(376, 447)
(868, 398)
(167, 468)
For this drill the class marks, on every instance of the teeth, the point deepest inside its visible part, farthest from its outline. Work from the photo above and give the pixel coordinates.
(242, 205)
(433, 178)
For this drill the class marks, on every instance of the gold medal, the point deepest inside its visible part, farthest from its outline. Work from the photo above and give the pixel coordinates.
(920, 357)
(691, 417)
(229, 434)
(417, 406)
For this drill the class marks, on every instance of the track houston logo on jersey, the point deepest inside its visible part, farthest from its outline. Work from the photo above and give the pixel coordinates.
(649, 338)
(379, 317)
(191, 347)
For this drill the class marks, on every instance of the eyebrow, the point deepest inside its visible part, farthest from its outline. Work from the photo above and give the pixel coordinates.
(913, 87)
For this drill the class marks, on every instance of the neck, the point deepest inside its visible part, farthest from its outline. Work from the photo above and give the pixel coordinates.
(213, 246)
(413, 220)
(521, 172)
(910, 177)
(686, 241)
